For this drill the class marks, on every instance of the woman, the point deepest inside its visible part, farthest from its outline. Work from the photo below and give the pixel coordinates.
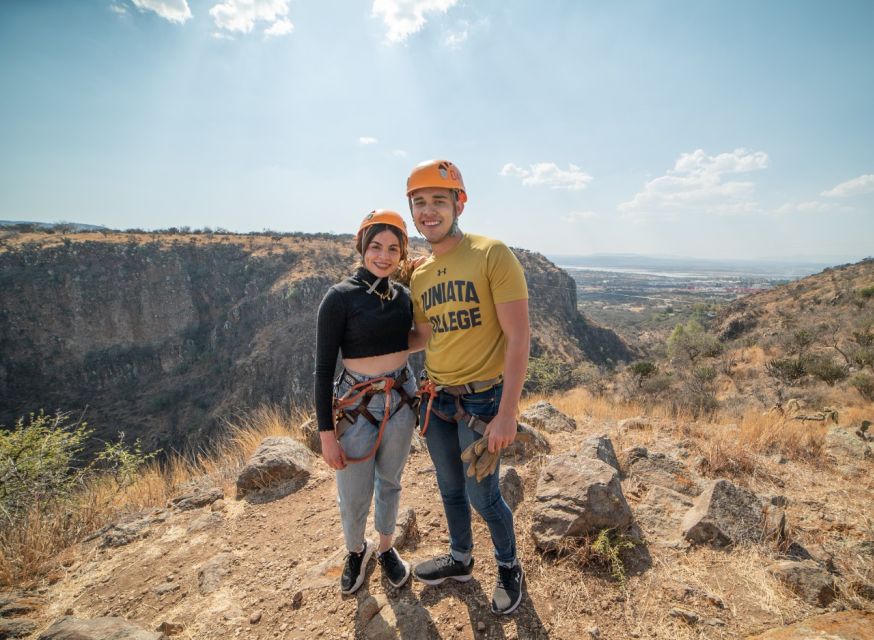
(367, 319)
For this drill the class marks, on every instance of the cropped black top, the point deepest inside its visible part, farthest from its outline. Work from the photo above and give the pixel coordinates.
(358, 320)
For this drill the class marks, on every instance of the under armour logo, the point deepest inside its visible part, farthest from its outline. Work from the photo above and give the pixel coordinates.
(441, 272)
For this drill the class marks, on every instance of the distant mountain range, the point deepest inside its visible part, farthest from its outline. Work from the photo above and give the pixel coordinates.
(788, 267)
(73, 226)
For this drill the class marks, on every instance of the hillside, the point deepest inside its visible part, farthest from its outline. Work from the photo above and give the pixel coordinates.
(164, 336)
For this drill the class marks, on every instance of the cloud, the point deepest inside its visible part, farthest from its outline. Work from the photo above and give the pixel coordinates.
(578, 216)
(399, 153)
(240, 16)
(279, 28)
(698, 183)
(550, 175)
(812, 206)
(173, 10)
(365, 140)
(120, 9)
(406, 17)
(854, 187)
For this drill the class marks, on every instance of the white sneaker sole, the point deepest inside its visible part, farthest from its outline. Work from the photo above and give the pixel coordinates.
(368, 553)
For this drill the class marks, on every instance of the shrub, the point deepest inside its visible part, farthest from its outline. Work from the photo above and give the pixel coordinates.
(825, 369)
(546, 374)
(39, 462)
(608, 546)
(786, 370)
(690, 341)
(864, 384)
(642, 369)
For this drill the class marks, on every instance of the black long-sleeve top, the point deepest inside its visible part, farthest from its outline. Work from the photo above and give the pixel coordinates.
(357, 324)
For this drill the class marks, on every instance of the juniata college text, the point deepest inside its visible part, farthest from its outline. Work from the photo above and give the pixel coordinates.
(452, 291)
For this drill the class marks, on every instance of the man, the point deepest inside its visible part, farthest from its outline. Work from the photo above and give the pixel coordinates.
(471, 311)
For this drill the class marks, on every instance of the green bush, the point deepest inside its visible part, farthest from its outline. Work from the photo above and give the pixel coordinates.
(41, 463)
(864, 384)
(786, 370)
(825, 369)
(546, 375)
(691, 341)
(643, 369)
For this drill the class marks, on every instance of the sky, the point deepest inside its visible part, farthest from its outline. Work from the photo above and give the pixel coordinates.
(733, 129)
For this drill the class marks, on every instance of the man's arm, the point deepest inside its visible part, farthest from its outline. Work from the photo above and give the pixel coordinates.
(419, 335)
(513, 318)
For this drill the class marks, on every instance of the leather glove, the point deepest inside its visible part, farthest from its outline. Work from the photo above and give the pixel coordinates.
(481, 462)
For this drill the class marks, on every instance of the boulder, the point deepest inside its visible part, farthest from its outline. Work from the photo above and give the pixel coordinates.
(600, 448)
(542, 415)
(110, 628)
(279, 463)
(511, 486)
(841, 443)
(660, 515)
(16, 627)
(843, 625)
(651, 469)
(807, 579)
(197, 500)
(724, 514)
(519, 450)
(122, 533)
(576, 495)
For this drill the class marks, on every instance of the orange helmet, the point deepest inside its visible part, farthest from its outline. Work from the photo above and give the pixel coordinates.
(437, 173)
(380, 216)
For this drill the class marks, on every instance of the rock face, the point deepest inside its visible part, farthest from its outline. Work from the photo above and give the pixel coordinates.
(276, 463)
(212, 573)
(807, 579)
(70, 628)
(845, 625)
(576, 495)
(169, 334)
(16, 627)
(724, 514)
(542, 415)
(841, 443)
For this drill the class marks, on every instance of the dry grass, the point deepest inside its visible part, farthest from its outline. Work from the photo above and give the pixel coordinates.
(27, 550)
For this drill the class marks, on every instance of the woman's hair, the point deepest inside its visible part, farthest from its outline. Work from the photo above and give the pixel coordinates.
(374, 230)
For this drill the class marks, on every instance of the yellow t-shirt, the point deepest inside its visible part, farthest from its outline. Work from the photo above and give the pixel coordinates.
(457, 293)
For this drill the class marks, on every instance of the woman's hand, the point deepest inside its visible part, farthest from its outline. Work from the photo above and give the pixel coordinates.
(415, 261)
(331, 451)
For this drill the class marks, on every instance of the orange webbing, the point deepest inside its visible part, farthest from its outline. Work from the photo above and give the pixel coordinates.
(430, 389)
(353, 397)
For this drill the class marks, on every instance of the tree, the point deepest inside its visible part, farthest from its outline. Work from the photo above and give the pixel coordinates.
(691, 341)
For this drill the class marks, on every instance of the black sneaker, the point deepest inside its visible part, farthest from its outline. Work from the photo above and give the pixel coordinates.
(355, 568)
(395, 568)
(508, 591)
(438, 568)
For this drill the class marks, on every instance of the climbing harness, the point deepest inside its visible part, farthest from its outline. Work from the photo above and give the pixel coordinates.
(429, 388)
(354, 403)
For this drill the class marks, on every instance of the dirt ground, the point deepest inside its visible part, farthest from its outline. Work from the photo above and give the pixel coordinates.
(286, 557)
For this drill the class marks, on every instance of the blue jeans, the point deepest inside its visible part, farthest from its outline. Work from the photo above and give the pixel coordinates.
(446, 440)
(379, 478)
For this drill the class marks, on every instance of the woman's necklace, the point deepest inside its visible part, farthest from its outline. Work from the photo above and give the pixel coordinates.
(386, 296)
